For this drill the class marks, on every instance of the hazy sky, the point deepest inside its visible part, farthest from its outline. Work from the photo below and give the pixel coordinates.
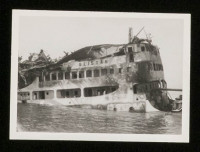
(57, 34)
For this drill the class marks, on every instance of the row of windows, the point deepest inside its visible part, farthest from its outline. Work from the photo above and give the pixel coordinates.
(144, 48)
(157, 67)
(149, 86)
(70, 93)
(24, 94)
(131, 49)
(80, 74)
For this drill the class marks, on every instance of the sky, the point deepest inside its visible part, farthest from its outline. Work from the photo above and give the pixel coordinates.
(58, 34)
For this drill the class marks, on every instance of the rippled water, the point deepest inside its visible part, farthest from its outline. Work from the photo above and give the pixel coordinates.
(43, 118)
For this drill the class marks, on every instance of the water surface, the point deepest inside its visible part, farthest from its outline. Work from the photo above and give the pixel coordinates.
(44, 118)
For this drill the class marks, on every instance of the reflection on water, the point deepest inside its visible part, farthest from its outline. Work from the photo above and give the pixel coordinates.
(43, 118)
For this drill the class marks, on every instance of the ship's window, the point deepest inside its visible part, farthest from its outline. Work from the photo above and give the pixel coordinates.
(130, 49)
(156, 69)
(103, 71)
(150, 67)
(146, 87)
(74, 75)
(69, 93)
(135, 89)
(76, 93)
(106, 61)
(154, 66)
(96, 73)
(98, 91)
(53, 76)
(67, 75)
(47, 77)
(120, 70)
(111, 71)
(163, 83)
(88, 73)
(81, 74)
(142, 48)
(40, 78)
(113, 89)
(160, 67)
(147, 48)
(128, 69)
(38, 95)
(60, 76)
(101, 61)
(23, 95)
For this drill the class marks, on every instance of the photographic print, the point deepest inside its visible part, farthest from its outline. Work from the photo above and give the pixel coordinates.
(100, 76)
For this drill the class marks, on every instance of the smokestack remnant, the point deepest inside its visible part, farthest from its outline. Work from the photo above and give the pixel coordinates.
(130, 35)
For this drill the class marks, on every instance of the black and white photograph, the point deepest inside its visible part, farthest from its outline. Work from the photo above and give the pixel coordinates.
(100, 76)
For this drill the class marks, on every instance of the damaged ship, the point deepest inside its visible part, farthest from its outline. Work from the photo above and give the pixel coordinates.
(124, 77)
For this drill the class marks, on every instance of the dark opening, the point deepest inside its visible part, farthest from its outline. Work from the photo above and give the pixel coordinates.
(154, 66)
(131, 109)
(67, 75)
(96, 73)
(81, 74)
(131, 59)
(53, 76)
(74, 75)
(89, 93)
(103, 71)
(135, 89)
(143, 48)
(60, 76)
(41, 95)
(98, 91)
(69, 93)
(120, 70)
(113, 89)
(130, 49)
(47, 77)
(40, 78)
(150, 67)
(76, 93)
(88, 73)
(111, 71)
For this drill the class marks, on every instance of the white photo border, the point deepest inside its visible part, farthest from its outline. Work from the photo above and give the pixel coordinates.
(183, 137)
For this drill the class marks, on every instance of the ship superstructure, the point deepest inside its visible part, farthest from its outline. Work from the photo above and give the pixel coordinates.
(113, 77)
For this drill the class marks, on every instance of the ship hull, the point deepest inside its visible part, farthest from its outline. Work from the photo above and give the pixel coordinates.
(115, 101)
